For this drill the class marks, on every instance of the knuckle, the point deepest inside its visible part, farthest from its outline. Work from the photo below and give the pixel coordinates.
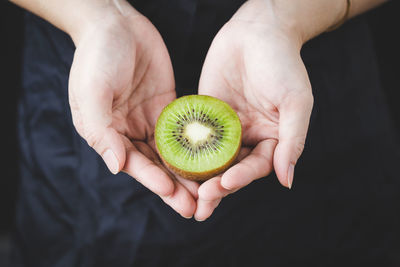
(92, 139)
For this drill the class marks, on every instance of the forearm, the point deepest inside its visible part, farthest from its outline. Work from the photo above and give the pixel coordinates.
(76, 16)
(306, 18)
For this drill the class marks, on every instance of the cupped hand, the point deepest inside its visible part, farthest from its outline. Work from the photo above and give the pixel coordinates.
(255, 66)
(120, 80)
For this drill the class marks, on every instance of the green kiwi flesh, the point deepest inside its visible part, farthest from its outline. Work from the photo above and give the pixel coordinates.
(198, 136)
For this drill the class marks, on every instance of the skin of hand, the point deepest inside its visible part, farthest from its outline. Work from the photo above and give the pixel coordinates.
(120, 80)
(255, 66)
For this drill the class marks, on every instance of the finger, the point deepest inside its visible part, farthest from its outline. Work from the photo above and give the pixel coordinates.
(191, 186)
(294, 117)
(212, 190)
(210, 194)
(244, 152)
(153, 176)
(145, 149)
(205, 208)
(181, 201)
(149, 153)
(256, 165)
(148, 173)
(92, 117)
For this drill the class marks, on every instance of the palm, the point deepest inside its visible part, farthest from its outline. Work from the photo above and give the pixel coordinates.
(130, 70)
(257, 74)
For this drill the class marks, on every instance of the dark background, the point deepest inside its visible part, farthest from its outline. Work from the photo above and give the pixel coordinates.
(384, 23)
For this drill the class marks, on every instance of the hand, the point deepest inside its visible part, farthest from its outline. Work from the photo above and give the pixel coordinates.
(255, 66)
(120, 80)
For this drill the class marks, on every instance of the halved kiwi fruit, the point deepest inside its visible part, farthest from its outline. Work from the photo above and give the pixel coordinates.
(198, 136)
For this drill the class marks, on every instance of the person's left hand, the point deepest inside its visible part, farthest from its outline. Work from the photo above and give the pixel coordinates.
(255, 66)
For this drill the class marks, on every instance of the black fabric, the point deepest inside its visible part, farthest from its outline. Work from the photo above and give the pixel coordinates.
(73, 212)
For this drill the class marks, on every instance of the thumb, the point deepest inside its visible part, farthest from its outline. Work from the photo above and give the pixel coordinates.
(294, 117)
(92, 117)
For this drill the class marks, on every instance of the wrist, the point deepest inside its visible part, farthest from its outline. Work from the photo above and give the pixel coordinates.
(310, 18)
(260, 17)
(95, 15)
(299, 20)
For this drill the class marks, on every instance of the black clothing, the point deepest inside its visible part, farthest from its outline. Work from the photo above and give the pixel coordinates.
(73, 212)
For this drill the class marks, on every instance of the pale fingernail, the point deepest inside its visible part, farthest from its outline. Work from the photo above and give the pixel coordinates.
(199, 220)
(290, 174)
(111, 161)
(190, 217)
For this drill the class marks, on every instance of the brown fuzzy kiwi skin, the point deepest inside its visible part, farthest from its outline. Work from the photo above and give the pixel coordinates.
(202, 176)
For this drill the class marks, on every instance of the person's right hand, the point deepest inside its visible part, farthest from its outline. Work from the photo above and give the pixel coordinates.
(121, 78)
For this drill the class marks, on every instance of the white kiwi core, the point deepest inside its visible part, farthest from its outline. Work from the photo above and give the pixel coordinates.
(197, 132)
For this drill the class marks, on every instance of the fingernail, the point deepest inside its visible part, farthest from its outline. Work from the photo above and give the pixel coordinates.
(190, 217)
(290, 174)
(199, 220)
(111, 161)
